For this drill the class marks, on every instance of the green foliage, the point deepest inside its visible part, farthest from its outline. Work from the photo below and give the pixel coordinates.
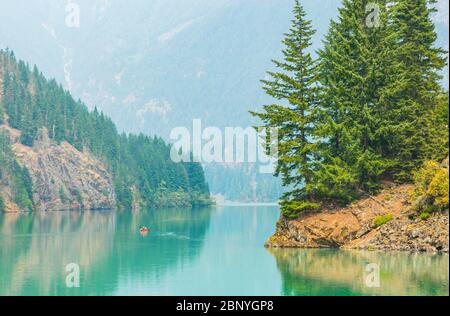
(336, 180)
(78, 196)
(439, 188)
(382, 219)
(12, 174)
(165, 198)
(62, 195)
(371, 109)
(2, 204)
(414, 96)
(292, 208)
(6, 156)
(424, 216)
(295, 85)
(201, 199)
(32, 103)
(22, 188)
(352, 67)
(431, 191)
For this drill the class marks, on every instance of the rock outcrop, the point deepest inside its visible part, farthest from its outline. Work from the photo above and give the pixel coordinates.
(353, 227)
(64, 178)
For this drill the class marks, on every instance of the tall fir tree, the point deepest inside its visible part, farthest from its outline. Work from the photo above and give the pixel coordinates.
(295, 84)
(415, 94)
(352, 76)
(377, 112)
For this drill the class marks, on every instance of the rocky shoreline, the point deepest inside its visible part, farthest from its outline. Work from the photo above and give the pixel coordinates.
(353, 227)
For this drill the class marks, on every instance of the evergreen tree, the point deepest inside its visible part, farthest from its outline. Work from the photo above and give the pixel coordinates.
(352, 75)
(2, 204)
(294, 83)
(415, 94)
(12, 174)
(377, 111)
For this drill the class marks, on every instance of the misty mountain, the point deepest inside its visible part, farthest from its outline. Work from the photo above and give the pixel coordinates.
(155, 65)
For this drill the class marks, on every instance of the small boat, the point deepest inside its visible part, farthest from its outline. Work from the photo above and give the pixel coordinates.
(144, 230)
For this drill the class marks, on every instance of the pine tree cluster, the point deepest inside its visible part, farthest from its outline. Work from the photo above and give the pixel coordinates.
(369, 108)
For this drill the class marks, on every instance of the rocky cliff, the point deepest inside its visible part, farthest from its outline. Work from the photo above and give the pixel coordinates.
(354, 227)
(63, 178)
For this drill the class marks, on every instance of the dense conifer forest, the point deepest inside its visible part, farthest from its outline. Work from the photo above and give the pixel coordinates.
(140, 164)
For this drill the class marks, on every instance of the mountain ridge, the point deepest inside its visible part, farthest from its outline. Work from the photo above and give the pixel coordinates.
(64, 157)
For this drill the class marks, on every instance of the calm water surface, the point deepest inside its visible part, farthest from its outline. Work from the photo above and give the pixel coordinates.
(192, 252)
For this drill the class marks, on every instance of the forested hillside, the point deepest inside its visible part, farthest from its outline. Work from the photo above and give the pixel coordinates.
(141, 165)
(15, 177)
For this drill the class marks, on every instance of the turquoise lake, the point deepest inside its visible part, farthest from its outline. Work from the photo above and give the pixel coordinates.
(213, 252)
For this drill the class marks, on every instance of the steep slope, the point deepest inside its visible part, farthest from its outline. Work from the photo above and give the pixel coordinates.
(71, 158)
(64, 178)
(354, 227)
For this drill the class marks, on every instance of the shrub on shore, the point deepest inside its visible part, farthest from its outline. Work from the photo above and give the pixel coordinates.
(431, 191)
(381, 220)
